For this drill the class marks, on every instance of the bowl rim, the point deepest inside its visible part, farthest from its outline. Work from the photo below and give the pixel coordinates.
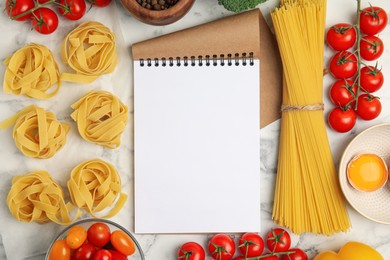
(340, 172)
(106, 221)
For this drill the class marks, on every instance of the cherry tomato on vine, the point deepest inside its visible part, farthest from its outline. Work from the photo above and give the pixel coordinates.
(371, 79)
(371, 47)
(343, 65)
(342, 119)
(59, 251)
(341, 36)
(84, 252)
(99, 3)
(251, 245)
(373, 20)
(278, 240)
(222, 247)
(368, 107)
(343, 92)
(102, 254)
(297, 255)
(72, 9)
(98, 234)
(76, 237)
(43, 1)
(17, 7)
(122, 242)
(191, 251)
(44, 20)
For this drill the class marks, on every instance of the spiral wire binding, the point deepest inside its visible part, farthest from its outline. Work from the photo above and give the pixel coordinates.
(200, 60)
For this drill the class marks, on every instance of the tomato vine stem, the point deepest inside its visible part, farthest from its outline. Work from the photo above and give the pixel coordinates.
(271, 254)
(359, 58)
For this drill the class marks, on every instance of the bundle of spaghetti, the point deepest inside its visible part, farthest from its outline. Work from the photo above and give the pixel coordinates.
(307, 195)
(32, 71)
(94, 185)
(90, 50)
(37, 133)
(37, 197)
(101, 118)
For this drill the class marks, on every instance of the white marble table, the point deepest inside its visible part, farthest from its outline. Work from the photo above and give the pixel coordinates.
(29, 241)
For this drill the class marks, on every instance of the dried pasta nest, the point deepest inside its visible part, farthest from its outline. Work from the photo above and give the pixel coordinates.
(101, 118)
(95, 185)
(35, 197)
(37, 133)
(32, 71)
(90, 50)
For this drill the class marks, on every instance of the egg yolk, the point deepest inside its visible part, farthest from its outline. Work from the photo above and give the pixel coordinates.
(367, 172)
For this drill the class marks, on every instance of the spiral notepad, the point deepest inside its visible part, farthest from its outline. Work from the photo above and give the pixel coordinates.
(196, 132)
(196, 145)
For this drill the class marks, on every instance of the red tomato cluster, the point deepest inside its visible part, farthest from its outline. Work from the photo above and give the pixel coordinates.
(250, 246)
(352, 92)
(96, 243)
(43, 19)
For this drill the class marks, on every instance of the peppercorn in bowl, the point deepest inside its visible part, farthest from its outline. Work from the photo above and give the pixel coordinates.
(158, 12)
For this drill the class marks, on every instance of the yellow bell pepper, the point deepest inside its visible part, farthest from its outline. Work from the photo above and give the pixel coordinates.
(351, 251)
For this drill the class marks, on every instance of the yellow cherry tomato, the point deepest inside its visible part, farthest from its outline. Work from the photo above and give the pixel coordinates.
(122, 242)
(76, 237)
(59, 251)
(351, 250)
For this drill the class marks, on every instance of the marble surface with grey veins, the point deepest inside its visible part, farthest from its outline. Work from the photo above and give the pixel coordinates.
(31, 240)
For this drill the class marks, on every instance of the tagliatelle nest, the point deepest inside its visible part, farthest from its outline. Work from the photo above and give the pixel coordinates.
(101, 118)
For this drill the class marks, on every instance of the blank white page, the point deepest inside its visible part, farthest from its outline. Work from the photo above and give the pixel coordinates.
(196, 148)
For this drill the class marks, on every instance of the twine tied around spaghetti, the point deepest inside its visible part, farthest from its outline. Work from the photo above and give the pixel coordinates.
(312, 107)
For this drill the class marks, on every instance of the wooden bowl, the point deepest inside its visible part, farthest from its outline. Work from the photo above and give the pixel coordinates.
(162, 17)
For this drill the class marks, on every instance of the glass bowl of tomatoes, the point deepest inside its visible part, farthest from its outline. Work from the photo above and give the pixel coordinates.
(97, 239)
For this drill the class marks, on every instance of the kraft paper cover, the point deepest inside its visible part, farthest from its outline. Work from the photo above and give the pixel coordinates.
(241, 33)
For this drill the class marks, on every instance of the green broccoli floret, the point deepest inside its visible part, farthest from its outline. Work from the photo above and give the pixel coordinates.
(239, 5)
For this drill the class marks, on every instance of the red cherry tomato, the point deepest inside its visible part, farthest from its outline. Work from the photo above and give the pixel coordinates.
(191, 251)
(371, 47)
(17, 7)
(343, 65)
(343, 92)
(59, 251)
(251, 245)
(371, 79)
(278, 240)
(239, 257)
(368, 107)
(221, 247)
(85, 252)
(99, 3)
(122, 242)
(341, 36)
(297, 255)
(43, 1)
(102, 254)
(342, 119)
(373, 20)
(45, 20)
(72, 9)
(98, 234)
(115, 255)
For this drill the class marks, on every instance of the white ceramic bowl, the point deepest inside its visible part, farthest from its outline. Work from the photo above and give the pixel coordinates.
(372, 205)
